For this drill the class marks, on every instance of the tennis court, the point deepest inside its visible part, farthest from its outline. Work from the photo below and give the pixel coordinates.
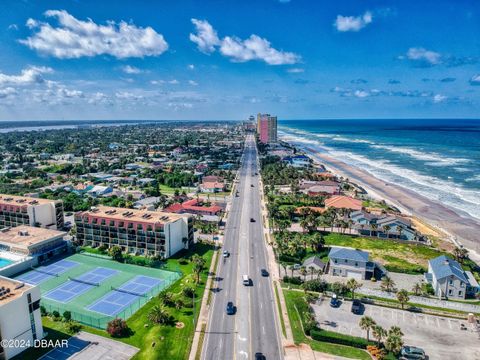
(118, 299)
(96, 290)
(43, 273)
(76, 286)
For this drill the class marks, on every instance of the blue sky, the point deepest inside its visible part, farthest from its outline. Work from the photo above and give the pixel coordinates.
(298, 59)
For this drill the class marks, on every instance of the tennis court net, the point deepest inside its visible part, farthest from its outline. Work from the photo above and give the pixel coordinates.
(45, 272)
(128, 292)
(84, 282)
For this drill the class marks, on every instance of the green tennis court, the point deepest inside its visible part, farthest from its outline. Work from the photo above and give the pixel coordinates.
(96, 290)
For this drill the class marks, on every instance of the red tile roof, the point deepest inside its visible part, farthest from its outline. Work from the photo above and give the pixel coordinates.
(343, 202)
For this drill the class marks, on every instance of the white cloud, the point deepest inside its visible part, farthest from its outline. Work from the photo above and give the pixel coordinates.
(159, 82)
(74, 38)
(127, 69)
(438, 98)
(206, 37)
(191, 67)
(98, 98)
(28, 76)
(295, 70)
(192, 82)
(7, 92)
(425, 56)
(353, 23)
(361, 93)
(13, 27)
(126, 95)
(475, 80)
(238, 50)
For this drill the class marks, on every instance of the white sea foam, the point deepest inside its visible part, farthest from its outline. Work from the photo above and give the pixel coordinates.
(432, 158)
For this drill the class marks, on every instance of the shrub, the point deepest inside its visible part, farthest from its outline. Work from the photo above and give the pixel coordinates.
(55, 314)
(73, 327)
(188, 291)
(67, 316)
(428, 289)
(103, 248)
(315, 285)
(118, 328)
(296, 280)
(336, 338)
(43, 311)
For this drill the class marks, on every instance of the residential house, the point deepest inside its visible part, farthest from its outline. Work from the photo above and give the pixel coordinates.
(449, 280)
(343, 202)
(383, 225)
(314, 262)
(351, 263)
(212, 187)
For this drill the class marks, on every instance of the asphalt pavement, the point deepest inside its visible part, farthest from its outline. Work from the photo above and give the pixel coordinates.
(254, 326)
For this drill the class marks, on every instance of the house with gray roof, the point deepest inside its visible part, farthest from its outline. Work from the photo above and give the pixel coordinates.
(449, 280)
(351, 263)
(314, 262)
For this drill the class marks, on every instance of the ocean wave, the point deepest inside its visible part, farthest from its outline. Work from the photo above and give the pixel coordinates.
(445, 191)
(359, 141)
(473, 178)
(433, 159)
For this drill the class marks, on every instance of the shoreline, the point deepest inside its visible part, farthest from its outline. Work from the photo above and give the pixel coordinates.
(459, 228)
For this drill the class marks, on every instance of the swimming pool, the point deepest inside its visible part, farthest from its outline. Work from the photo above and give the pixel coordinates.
(4, 262)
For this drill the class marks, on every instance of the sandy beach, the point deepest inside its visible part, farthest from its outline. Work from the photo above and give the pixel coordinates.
(462, 228)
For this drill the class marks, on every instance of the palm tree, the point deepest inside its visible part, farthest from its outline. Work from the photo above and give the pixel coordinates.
(303, 272)
(198, 266)
(158, 315)
(353, 285)
(373, 227)
(394, 343)
(402, 297)
(319, 273)
(378, 333)
(312, 271)
(179, 303)
(166, 298)
(367, 323)
(387, 284)
(417, 289)
(386, 229)
(395, 330)
(460, 254)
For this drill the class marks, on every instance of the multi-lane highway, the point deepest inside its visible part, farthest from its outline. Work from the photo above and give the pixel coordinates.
(254, 327)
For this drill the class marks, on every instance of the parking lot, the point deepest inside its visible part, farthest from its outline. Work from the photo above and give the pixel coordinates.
(440, 337)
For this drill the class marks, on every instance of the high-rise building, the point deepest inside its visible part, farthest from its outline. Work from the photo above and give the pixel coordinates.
(20, 319)
(139, 232)
(23, 210)
(267, 128)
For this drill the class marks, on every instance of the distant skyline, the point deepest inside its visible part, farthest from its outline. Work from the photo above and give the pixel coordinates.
(213, 60)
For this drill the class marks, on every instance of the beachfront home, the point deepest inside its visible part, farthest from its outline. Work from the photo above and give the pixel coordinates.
(343, 202)
(351, 263)
(212, 187)
(449, 280)
(383, 225)
(298, 161)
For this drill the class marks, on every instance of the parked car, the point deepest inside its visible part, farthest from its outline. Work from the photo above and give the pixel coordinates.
(264, 272)
(412, 353)
(226, 254)
(357, 306)
(230, 308)
(260, 356)
(334, 302)
(252, 220)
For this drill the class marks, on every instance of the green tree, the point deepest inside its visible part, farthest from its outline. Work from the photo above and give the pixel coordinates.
(158, 315)
(417, 289)
(387, 284)
(378, 333)
(116, 253)
(353, 285)
(402, 297)
(366, 324)
(198, 266)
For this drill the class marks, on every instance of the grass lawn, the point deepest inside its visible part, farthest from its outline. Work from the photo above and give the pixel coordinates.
(167, 189)
(395, 256)
(170, 342)
(295, 299)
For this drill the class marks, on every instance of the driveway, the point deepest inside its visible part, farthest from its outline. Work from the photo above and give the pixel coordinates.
(440, 337)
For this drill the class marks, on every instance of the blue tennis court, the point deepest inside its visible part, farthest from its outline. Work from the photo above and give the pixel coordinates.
(44, 273)
(115, 301)
(75, 287)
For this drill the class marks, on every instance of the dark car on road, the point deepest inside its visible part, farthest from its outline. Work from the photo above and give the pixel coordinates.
(252, 220)
(357, 306)
(251, 185)
(260, 356)
(334, 302)
(412, 353)
(264, 272)
(230, 308)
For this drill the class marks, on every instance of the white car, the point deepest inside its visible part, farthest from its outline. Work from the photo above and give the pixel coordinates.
(226, 253)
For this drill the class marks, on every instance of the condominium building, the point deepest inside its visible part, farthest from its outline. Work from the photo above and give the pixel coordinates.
(23, 210)
(20, 319)
(33, 241)
(139, 232)
(267, 128)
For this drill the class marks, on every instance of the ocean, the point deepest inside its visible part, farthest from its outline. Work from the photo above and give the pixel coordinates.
(439, 159)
